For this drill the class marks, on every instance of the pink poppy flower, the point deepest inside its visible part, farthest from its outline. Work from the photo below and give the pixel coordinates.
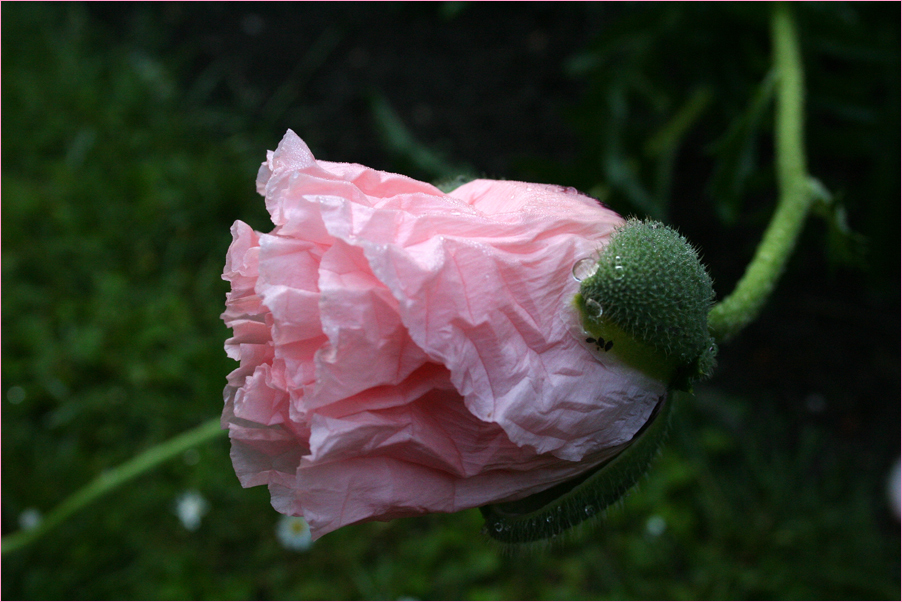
(405, 351)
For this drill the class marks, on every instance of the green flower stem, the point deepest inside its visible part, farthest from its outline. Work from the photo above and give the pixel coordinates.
(797, 189)
(113, 478)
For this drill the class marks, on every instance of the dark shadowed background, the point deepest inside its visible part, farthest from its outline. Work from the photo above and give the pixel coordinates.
(131, 138)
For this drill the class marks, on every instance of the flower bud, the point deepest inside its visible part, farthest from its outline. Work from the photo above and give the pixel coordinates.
(405, 350)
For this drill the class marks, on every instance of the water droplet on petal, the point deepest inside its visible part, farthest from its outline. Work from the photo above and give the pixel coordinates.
(594, 308)
(584, 268)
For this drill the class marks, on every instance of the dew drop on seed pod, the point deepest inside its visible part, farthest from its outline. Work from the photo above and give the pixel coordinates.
(499, 527)
(594, 308)
(618, 267)
(584, 268)
(550, 519)
(589, 510)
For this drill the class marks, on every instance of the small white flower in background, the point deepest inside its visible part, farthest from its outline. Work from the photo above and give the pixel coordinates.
(655, 526)
(30, 518)
(894, 489)
(293, 533)
(191, 507)
(15, 395)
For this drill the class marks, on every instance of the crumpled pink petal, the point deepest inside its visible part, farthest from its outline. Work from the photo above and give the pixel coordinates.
(405, 351)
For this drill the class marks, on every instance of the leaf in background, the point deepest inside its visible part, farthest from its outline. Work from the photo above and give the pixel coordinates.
(398, 139)
(844, 245)
(737, 153)
(663, 145)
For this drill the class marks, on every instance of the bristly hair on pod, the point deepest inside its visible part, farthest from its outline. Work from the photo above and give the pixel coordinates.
(654, 289)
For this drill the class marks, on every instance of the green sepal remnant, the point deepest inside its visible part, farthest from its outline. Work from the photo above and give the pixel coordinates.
(651, 286)
(549, 513)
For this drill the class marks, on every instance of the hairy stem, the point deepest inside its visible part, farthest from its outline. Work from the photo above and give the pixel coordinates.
(742, 306)
(113, 478)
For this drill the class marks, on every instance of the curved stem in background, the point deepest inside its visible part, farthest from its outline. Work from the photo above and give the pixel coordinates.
(797, 190)
(113, 478)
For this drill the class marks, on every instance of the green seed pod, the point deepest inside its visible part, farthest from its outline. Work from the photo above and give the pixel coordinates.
(651, 295)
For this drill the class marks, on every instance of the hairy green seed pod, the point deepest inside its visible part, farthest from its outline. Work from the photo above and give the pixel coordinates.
(652, 295)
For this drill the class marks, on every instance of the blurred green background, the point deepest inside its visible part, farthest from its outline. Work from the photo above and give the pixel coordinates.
(131, 138)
